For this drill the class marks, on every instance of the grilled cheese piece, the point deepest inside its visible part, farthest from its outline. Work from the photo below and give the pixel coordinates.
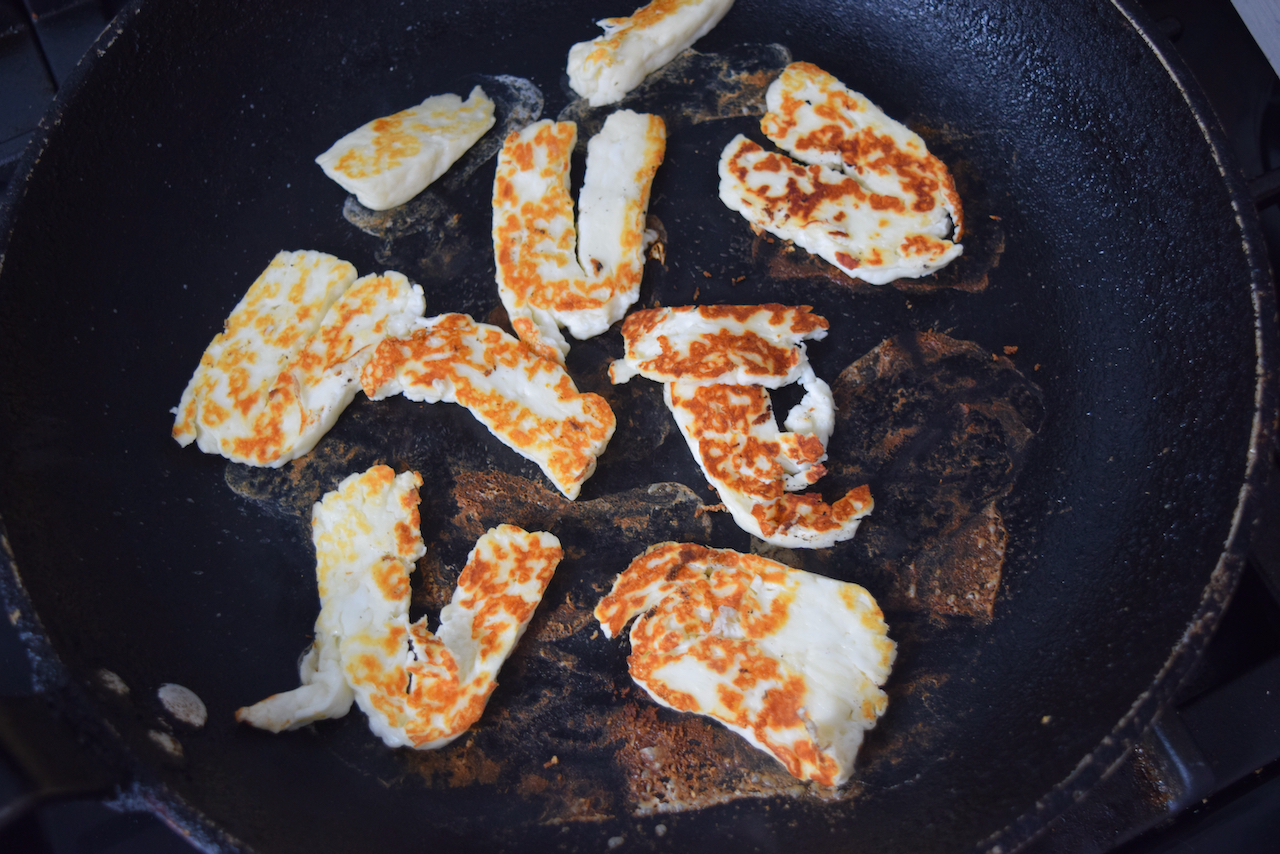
(388, 161)
(366, 535)
(872, 200)
(526, 400)
(419, 689)
(756, 469)
(542, 283)
(790, 660)
(609, 66)
(274, 381)
(718, 344)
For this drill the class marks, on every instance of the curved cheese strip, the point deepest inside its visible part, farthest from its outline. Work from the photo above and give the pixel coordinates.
(790, 660)
(873, 201)
(274, 381)
(388, 161)
(366, 534)
(729, 344)
(609, 66)
(543, 285)
(527, 401)
(423, 690)
(754, 467)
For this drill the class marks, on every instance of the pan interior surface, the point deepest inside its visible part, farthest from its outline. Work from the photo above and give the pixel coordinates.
(1114, 275)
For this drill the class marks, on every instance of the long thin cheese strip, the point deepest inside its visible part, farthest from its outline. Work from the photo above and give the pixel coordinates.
(526, 400)
(274, 381)
(609, 66)
(542, 282)
(790, 660)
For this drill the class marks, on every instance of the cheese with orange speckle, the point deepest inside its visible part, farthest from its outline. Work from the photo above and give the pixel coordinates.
(526, 400)
(790, 660)
(287, 363)
(710, 344)
(609, 66)
(419, 689)
(871, 200)
(388, 161)
(543, 282)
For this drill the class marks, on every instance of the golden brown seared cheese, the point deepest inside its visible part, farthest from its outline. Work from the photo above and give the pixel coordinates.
(756, 468)
(790, 660)
(388, 161)
(727, 344)
(609, 66)
(871, 200)
(418, 688)
(287, 362)
(526, 400)
(543, 282)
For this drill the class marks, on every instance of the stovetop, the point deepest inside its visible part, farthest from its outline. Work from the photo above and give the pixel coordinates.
(1206, 778)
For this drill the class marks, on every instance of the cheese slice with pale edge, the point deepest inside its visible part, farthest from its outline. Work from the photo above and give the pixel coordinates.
(756, 468)
(543, 283)
(872, 200)
(790, 660)
(718, 344)
(418, 688)
(388, 161)
(287, 363)
(609, 66)
(526, 400)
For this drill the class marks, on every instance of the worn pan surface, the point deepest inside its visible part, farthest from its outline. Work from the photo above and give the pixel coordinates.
(1113, 271)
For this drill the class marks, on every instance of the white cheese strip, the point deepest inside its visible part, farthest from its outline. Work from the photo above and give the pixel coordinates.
(790, 660)
(609, 66)
(755, 468)
(273, 382)
(873, 201)
(526, 400)
(718, 344)
(390, 160)
(543, 283)
(366, 535)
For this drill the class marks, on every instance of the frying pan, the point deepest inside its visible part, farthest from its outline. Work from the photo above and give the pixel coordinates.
(1114, 254)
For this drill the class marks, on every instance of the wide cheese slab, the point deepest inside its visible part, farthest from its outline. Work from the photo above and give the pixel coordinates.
(867, 195)
(389, 160)
(550, 273)
(790, 660)
(718, 344)
(288, 360)
(526, 400)
(609, 66)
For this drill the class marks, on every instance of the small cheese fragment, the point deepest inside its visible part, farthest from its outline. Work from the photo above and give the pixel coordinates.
(542, 283)
(366, 535)
(388, 161)
(718, 344)
(872, 201)
(286, 365)
(419, 689)
(526, 400)
(790, 660)
(609, 66)
(755, 468)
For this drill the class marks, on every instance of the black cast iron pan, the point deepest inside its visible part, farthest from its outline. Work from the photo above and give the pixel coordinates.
(1093, 377)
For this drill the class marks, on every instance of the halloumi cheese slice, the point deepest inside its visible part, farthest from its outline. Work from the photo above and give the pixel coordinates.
(718, 344)
(543, 284)
(872, 200)
(790, 660)
(526, 400)
(755, 468)
(609, 66)
(418, 688)
(287, 363)
(388, 161)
